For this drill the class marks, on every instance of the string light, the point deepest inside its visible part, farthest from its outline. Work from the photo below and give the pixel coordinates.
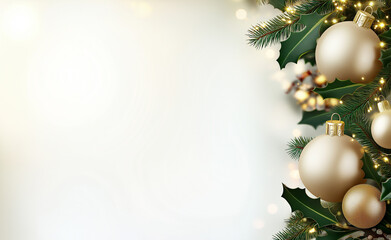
(385, 159)
(382, 81)
(290, 9)
(382, 44)
(339, 213)
(312, 230)
(380, 25)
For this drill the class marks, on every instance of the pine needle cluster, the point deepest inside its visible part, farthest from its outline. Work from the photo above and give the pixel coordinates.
(280, 27)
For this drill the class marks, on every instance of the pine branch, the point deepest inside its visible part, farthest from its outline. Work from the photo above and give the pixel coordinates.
(279, 28)
(296, 146)
(355, 106)
(363, 135)
(298, 227)
(273, 31)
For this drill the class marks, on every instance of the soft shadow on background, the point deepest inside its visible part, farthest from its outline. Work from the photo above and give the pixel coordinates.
(141, 120)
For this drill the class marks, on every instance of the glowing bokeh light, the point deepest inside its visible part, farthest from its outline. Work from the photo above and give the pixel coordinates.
(19, 22)
(241, 14)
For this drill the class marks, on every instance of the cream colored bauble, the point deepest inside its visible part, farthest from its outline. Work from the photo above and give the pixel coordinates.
(362, 207)
(349, 51)
(331, 164)
(381, 125)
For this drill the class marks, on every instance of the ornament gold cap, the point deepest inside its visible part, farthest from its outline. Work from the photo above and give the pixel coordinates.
(335, 127)
(384, 105)
(363, 18)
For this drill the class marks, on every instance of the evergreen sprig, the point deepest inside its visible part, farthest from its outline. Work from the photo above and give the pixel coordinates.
(298, 227)
(296, 146)
(354, 107)
(280, 28)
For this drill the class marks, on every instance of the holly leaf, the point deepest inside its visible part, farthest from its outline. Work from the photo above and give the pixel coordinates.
(386, 36)
(370, 171)
(315, 118)
(280, 4)
(337, 89)
(336, 210)
(309, 57)
(386, 190)
(311, 208)
(303, 41)
(386, 57)
(386, 53)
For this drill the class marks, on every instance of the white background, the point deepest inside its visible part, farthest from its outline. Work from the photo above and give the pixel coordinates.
(142, 120)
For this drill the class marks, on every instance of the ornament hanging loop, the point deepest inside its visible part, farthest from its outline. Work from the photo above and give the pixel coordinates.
(363, 18)
(365, 9)
(335, 127)
(339, 116)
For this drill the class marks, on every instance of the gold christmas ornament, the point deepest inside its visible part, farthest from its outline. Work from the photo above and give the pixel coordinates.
(350, 50)
(330, 164)
(381, 125)
(362, 207)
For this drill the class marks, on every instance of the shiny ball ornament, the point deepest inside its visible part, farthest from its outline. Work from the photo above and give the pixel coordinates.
(381, 125)
(362, 207)
(350, 51)
(331, 164)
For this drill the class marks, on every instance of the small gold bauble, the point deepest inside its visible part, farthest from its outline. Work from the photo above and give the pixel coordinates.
(362, 207)
(330, 164)
(349, 51)
(381, 125)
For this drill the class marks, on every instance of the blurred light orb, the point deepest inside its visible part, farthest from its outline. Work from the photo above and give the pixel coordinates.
(259, 224)
(272, 208)
(295, 174)
(142, 9)
(301, 95)
(241, 14)
(19, 22)
(292, 166)
(270, 53)
(320, 80)
(296, 133)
